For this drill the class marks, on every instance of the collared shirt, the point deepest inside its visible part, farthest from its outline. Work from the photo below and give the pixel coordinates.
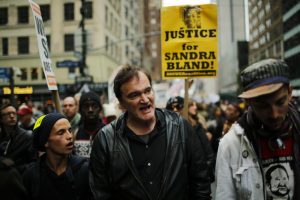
(148, 155)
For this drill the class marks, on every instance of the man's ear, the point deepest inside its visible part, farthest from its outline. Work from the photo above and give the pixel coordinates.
(46, 145)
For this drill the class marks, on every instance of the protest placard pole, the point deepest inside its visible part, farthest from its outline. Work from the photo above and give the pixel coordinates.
(56, 99)
(186, 98)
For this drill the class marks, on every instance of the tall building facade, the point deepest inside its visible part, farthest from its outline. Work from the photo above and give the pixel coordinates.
(266, 29)
(113, 35)
(152, 37)
(291, 38)
(232, 16)
(275, 33)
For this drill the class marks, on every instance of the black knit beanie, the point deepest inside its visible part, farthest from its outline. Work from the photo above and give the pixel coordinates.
(42, 129)
(89, 96)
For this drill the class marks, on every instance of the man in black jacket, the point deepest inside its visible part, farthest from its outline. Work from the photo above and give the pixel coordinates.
(147, 153)
(11, 185)
(15, 142)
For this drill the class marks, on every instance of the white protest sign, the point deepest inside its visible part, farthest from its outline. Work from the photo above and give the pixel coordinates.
(43, 46)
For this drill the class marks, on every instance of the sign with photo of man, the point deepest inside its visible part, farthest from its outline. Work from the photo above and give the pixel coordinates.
(189, 41)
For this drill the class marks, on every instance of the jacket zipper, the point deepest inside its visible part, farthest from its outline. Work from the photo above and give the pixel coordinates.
(6, 148)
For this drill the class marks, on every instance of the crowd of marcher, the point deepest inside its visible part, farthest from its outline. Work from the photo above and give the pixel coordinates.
(247, 148)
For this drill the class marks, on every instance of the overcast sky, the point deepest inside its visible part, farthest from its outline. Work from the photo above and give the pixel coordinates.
(184, 2)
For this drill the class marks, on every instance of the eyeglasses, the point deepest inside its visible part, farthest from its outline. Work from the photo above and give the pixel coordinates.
(177, 106)
(8, 114)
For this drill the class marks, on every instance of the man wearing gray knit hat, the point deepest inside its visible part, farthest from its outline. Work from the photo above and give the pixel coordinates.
(57, 174)
(259, 158)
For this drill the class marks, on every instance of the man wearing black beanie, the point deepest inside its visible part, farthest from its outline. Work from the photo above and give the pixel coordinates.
(89, 108)
(57, 174)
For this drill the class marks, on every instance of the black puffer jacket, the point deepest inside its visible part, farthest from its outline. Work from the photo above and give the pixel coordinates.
(210, 155)
(185, 175)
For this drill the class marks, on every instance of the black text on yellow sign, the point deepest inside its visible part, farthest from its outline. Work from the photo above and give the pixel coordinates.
(189, 41)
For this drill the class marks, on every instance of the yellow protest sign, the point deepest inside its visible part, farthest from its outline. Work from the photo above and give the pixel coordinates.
(189, 41)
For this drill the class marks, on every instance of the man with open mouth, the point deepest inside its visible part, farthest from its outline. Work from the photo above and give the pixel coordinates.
(57, 174)
(147, 153)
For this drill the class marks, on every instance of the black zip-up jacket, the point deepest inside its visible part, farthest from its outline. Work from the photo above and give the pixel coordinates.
(76, 175)
(19, 148)
(210, 155)
(11, 185)
(113, 174)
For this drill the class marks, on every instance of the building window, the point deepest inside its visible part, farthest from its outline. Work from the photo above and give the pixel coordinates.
(48, 41)
(154, 54)
(34, 74)
(3, 16)
(23, 15)
(126, 11)
(88, 10)
(71, 70)
(112, 49)
(45, 9)
(131, 3)
(4, 46)
(111, 20)
(126, 31)
(69, 42)
(153, 21)
(131, 21)
(106, 14)
(126, 50)
(23, 45)
(23, 74)
(69, 11)
(278, 47)
(106, 43)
